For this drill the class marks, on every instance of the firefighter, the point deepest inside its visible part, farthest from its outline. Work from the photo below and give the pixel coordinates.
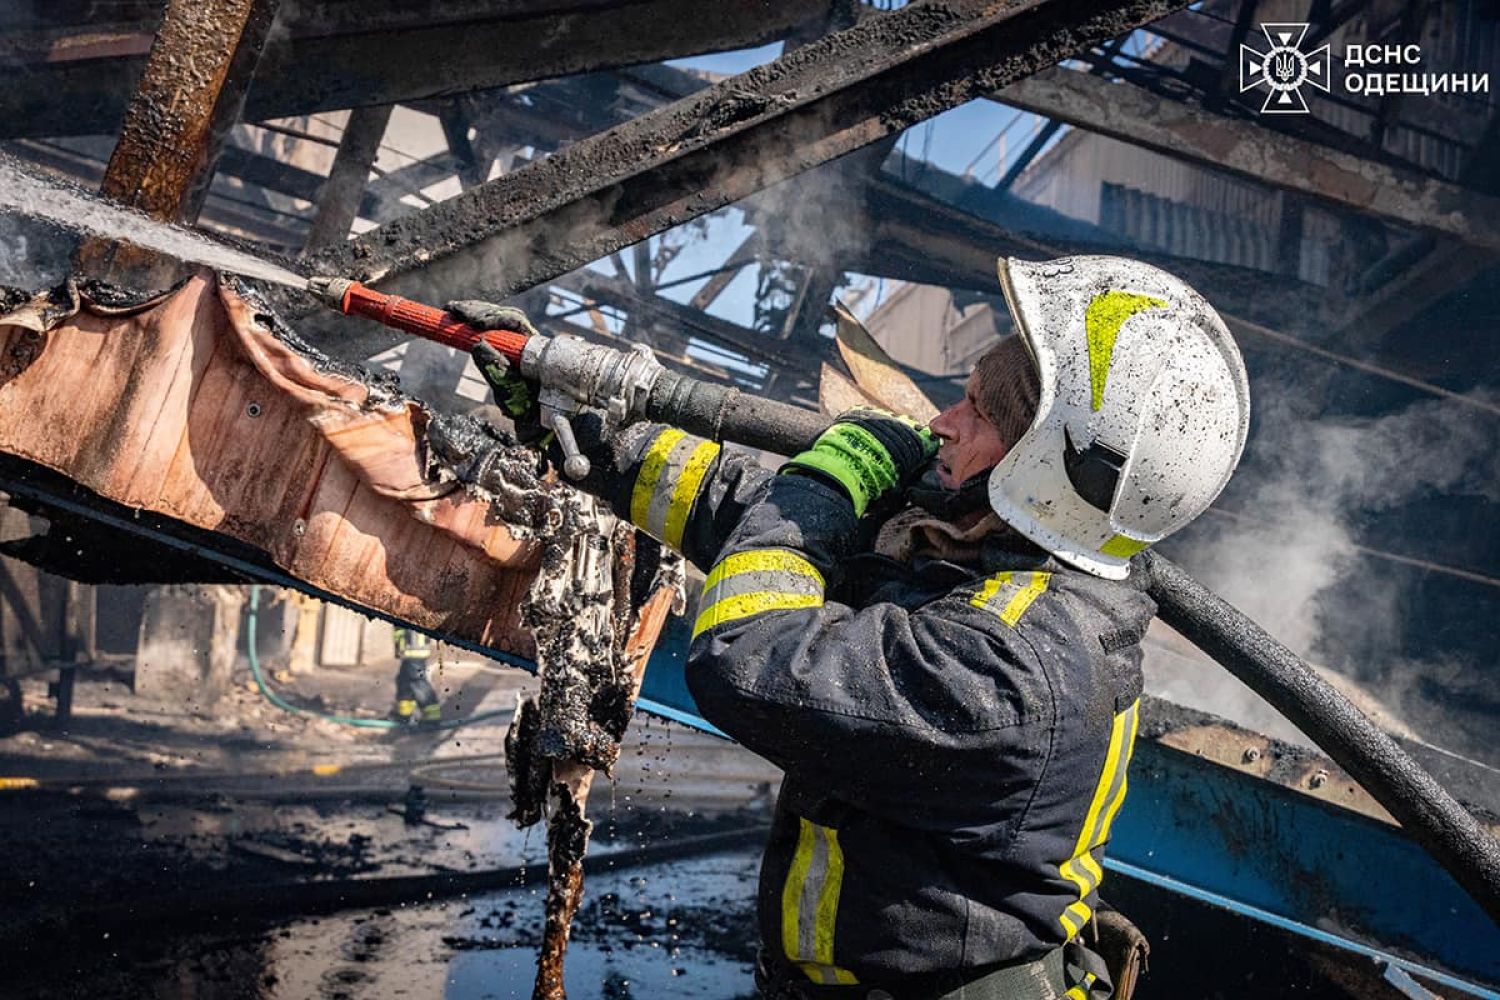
(935, 632)
(416, 701)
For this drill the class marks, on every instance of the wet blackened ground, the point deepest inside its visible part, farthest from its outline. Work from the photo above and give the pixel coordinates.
(170, 854)
(678, 928)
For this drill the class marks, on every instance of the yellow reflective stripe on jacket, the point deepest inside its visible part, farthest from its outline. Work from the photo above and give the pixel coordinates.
(756, 581)
(1009, 594)
(810, 904)
(652, 466)
(412, 645)
(671, 473)
(1082, 869)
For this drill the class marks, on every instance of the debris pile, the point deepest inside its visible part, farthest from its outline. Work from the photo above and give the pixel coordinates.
(595, 607)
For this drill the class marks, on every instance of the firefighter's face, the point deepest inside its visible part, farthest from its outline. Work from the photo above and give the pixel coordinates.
(971, 444)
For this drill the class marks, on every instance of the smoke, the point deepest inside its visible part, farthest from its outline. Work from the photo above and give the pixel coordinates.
(809, 219)
(1287, 545)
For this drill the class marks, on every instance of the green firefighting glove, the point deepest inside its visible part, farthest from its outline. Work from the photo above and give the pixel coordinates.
(515, 395)
(483, 315)
(867, 453)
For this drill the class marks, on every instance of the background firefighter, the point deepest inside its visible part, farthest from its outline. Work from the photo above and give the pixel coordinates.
(935, 633)
(416, 701)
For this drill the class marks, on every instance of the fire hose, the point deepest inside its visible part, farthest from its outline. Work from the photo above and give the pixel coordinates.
(631, 385)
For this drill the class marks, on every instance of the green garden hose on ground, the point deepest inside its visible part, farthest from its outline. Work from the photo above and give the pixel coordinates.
(252, 641)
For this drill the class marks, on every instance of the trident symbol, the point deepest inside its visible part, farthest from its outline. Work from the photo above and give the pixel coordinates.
(1284, 65)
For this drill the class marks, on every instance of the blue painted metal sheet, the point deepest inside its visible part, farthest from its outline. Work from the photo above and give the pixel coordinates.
(1307, 861)
(664, 690)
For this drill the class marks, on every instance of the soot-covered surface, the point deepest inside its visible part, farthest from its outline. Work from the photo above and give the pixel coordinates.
(138, 882)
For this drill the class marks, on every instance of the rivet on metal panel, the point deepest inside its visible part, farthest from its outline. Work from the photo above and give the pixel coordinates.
(1252, 754)
(1318, 780)
(253, 409)
(299, 527)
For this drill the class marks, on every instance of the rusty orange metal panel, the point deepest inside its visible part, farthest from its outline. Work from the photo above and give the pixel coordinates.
(193, 409)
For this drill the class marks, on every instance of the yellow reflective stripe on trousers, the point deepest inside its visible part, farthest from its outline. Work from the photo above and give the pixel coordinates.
(756, 581)
(1081, 991)
(1009, 594)
(1082, 869)
(810, 904)
(670, 476)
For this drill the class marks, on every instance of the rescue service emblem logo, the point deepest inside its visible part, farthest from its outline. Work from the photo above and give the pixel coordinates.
(1284, 69)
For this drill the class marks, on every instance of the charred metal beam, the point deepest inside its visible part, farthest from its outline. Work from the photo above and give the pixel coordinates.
(1130, 114)
(806, 315)
(813, 105)
(1333, 19)
(260, 170)
(1408, 30)
(757, 347)
(1244, 20)
(1035, 146)
(328, 65)
(949, 231)
(340, 195)
(389, 186)
(456, 120)
(350, 70)
(544, 116)
(191, 93)
(1045, 133)
(733, 265)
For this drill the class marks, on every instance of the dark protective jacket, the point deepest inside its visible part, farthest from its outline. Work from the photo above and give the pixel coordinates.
(412, 645)
(955, 741)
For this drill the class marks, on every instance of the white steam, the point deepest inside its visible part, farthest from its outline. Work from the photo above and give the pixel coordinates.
(1284, 546)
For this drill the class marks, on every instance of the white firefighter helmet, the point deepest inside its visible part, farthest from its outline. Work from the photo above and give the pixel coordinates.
(1142, 415)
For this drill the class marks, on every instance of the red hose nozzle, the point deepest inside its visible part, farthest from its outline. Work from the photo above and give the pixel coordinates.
(427, 322)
